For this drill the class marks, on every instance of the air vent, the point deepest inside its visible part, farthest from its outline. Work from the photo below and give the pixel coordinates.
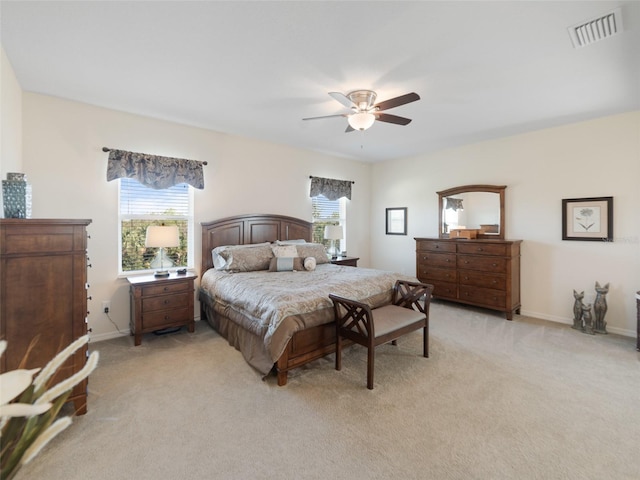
(605, 26)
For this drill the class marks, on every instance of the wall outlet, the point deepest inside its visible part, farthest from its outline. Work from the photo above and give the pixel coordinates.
(106, 306)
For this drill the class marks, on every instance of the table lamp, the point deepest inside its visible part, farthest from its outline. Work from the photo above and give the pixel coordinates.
(333, 233)
(161, 236)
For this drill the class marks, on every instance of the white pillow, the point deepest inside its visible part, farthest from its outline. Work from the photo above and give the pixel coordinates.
(310, 263)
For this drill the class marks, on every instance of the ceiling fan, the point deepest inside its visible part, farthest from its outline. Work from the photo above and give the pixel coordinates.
(364, 111)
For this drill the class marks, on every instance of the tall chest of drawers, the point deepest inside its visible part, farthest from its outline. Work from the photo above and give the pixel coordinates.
(43, 295)
(483, 273)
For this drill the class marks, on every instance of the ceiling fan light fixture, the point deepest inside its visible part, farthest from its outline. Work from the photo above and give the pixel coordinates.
(361, 120)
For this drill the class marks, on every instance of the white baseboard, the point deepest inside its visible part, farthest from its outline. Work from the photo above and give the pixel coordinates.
(101, 337)
(569, 321)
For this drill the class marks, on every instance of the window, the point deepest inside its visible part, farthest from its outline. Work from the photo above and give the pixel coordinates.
(329, 212)
(141, 206)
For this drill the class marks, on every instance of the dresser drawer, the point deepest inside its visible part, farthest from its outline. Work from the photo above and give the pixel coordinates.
(444, 289)
(173, 287)
(483, 249)
(481, 279)
(160, 302)
(164, 318)
(429, 274)
(485, 264)
(482, 296)
(437, 259)
(436, 246)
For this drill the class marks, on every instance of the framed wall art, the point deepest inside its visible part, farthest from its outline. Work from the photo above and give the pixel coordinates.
(396, 221)
(588, 219)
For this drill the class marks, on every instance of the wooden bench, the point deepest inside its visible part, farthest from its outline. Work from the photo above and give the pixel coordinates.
(357, 322)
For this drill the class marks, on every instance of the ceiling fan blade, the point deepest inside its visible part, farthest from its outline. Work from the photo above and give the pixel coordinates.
(397, 101)
(349, 129)
(327, 116)
(342, 98)
(385, 117)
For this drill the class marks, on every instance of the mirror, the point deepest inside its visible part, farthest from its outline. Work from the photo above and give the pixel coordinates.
(475, 210)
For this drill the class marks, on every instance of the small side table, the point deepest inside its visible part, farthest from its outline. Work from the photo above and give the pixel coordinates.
(348, 261)
(160, 302)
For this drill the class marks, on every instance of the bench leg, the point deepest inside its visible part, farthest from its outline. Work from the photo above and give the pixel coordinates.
(370, 361)
(425, 341)
(338, 353)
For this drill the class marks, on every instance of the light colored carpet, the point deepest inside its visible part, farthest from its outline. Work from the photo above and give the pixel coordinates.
(526, 399)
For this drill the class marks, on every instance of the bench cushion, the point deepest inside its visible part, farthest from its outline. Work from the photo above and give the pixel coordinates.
(391, 317)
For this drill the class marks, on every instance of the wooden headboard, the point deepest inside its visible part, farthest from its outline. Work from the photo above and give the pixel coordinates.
(247, 229)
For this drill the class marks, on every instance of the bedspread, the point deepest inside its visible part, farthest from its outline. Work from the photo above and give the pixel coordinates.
(275, 305)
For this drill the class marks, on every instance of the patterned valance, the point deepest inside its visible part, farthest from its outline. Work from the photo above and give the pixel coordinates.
(454, 204)
(154, 171)
(330, 188)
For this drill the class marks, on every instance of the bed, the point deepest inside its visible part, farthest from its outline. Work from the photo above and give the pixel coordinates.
(278, 320)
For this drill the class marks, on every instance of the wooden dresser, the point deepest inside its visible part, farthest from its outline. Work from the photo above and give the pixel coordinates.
(484, 273)
(43, 294)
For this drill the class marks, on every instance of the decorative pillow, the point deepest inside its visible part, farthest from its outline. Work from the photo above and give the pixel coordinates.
(284, 250)
(310, 264)
(286, 264)
(315, 250)
(291, 242)
(242, 258)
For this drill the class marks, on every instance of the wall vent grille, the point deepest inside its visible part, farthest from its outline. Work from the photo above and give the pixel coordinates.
(605, 26)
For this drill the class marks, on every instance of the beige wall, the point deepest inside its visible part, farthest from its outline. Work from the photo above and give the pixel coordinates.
(61, 154)
(10, 119)
(64, 163)
(589, 159)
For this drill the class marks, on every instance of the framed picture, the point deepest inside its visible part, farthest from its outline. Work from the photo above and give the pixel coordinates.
(587, 219)
(396, 221)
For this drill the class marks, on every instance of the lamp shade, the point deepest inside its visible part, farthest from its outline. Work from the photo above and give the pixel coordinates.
(162, 236)
(362, 120)
(333, 232)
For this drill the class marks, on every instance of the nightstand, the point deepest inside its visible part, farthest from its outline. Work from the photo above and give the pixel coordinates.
(160, 302)
(348, 261)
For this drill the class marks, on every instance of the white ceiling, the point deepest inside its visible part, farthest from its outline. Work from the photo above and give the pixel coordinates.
(483, 69)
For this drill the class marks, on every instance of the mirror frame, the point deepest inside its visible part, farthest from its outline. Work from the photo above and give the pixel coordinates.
(499, 189)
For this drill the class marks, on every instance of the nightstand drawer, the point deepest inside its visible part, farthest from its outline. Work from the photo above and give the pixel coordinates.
(169, 287)
(164, 301)
(164, 318)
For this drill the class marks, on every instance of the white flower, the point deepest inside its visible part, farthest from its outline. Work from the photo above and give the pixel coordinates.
(54, 429)
(58, 360)
(12, 384)
(72, 381)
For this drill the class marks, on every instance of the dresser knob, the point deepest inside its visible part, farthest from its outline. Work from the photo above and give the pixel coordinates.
(495, 264)
(479, 249)
(166, 302)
